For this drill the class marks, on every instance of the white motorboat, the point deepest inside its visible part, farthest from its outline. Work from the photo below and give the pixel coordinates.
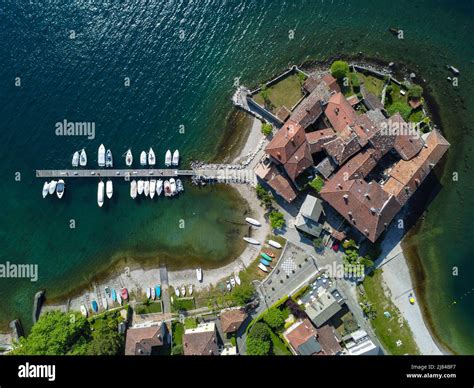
(45, 189)
(83, 158)
(143, 158)
(108, 159)
(262, 267)
(84, 310)
(119, 298)
(105, 304)
(190, 289)
(148, 292)
(172, 186)
(133, 189)
(176, 291)
(168, 158)
(274, 244)
(100, 194)
(228, 286)
(183, 290)
(153, 293)
(199, 274)
(251, 240)
(232, 281)
(101, 156)
(140, 187)
(75, 159)
(52, 186)
(179, 185)
(129, 158)
(253, 221)
(60, 189)
(237, 279)
(159, 187)
(146, 188)
(151, 157)
(175, 161)
(109, 189)
(167, 189)
(152, 188)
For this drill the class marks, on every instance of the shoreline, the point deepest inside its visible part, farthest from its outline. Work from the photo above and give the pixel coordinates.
(136, 277)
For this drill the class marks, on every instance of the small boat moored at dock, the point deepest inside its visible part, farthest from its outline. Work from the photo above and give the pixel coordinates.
(168, 158)
(152, 188)
(45, 191)
(109, 162)
(101, 156)
(172, 186)
(129, 158)
(179, 185)
(133, 189)
(52, 186)
(167, 189)
(175, 160)
(251, 240)
(60, 189)
(83, 158)
(100, 194)
(146, 188)
(143, 158)
(109, 189)
(75, 159)
(140, 187)
(159, 187)
(253, 221)
(151, 157)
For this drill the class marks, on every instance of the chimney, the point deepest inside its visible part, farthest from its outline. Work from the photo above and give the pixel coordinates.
(372, 209)
(417, 181)
(432, 165)
(279, 155)
(346, 197)
(350, 214)
(366, 232)
(407, 190)
(367, 195)
(339, 186)
(336, 111)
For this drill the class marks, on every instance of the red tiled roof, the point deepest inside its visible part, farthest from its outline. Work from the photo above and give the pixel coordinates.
(286, 141)
(341, 150)
(283, 187)
(339, 112)
(331, 82)
(140, 341)
(318, 138)
(360, 165)
(299, 161)
(301, 333)
(200, 343)
(327, 339)
(406, 144)
(232, 319)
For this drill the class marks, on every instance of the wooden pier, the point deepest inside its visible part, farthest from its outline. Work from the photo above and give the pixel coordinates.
(114, 173)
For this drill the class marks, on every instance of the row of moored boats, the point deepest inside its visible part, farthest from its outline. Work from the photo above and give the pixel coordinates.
(154, 187)
(58, 187)
(105, 158)
(116, 297)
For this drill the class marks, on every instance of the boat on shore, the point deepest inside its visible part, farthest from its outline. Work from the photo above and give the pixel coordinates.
(52, 186)
(151, 157)
(119, 298)
(228, 286)
(109, 189)
(109, 162)
(265, 256)
(251, 240)
(152, 188)
(237, 279)
(153, 293)
(124, 294)
(105, 304)
(146, 188)
(179, 185)
(60, 188)
(199, 274)
(143, 158)
(133, 189)
(148, 292)
(100, 194)
(262, 267)
(140, 187)
(158, 291)
(232, 281)
(129, 158)
(176, 291)
(274, 244)
(175, 160)
(107, 291)
(83, 158)
(168, 158)
(101, 156)
(75, 159)
(172, 186)
(183, 290)
(159, 187)
(190, 289)
(114, 295)
(84, 311)
(253, 221)
(271, 254)
(45, 190)
(264, 262)
(95, 306)
(167, 189)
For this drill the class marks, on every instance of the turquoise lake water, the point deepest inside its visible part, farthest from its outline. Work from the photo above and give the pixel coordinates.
(182, 61)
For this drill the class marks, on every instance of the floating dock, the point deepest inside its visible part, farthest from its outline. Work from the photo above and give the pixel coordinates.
(113, 173)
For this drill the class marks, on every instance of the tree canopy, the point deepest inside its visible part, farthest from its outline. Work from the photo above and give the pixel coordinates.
(275, 318)
(259, 340)
(339, 69)
(401, 108)
(277, 220)
(415, 91)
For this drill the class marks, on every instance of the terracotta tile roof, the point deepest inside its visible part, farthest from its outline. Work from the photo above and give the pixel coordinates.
(283, 187)
(407, 176)
(366, 206)
(201, 341)
(283, 113)
(407, 144)
(331, 83)
(360, 165)
(232, 319)
(140, 341)
(341, 150)
(299, 333)
(299, 161)
(327, 339)
(328, 80)
(326, 167)
(318, 138)
(371, 100)
(339, 112)
(286, 141)
(309, 110)
(365, 128)
(310, 84)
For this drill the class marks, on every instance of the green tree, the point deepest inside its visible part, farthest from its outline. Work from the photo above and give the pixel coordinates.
(415, 91)
(301, 78)
(266, 197)
(277, 220)
(177, 350)
(275, 318)
(243, 294)
(259, 340)
(339, 69)
(190, 323)
(106, 340)
(267, 129)
(318, 243)
(355, 82)
(348, 244)
(400, 107)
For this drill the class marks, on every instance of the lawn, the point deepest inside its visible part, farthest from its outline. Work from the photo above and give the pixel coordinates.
(182, 304)
(279, 347)
(372, 84)
(151, 308)
(178, 331)
(388, 330)
(286, 92)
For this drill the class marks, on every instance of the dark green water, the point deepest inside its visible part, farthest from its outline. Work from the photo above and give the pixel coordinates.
(182, 60)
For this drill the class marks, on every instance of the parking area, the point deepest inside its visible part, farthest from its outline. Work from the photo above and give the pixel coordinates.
(294, 268)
